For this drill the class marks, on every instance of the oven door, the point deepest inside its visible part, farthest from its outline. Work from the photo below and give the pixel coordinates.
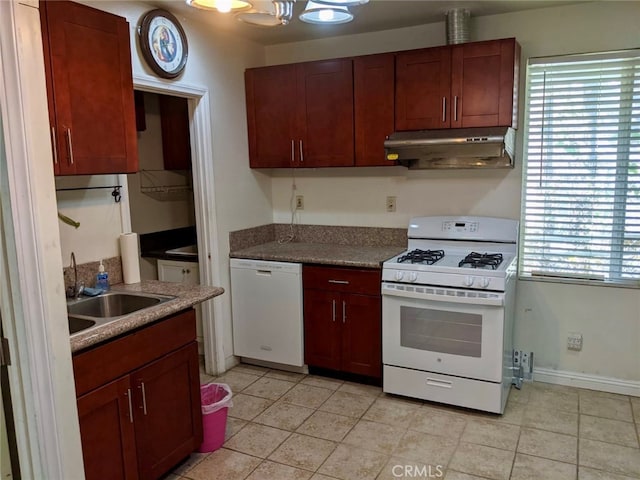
(443, 330)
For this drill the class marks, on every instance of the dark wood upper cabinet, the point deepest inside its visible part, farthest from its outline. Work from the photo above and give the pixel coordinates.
(300, 115)
(374, 100)
(458, 86)
(90, 89)
(176, 138)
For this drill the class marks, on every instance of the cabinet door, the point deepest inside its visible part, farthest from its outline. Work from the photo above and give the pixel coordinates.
(374, 99)
(167, 409)
(482, 84)
(107, 432)
(179, 272)
(270, 93)
(176, 139)
(325, 114)
(322, 329)
(362, 334)
(92, 89)
(423, 79)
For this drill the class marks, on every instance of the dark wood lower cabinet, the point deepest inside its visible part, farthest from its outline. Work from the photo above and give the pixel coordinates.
(141, 423)
(343, 320)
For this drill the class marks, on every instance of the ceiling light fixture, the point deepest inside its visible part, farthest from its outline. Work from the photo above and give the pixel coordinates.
(324, 14)
(342, 3)
(223, 6)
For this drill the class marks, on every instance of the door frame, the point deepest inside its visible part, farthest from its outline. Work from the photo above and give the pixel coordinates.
(204, 203)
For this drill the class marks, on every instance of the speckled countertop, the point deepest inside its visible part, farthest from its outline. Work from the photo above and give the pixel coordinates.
(320, 253)
(186, 297)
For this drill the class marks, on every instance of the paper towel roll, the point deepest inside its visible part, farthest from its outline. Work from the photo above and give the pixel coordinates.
(130, 257)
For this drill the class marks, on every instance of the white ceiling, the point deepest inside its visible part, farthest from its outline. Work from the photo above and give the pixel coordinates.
(374, 16)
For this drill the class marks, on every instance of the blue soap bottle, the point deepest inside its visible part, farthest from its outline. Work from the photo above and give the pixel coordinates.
(102, 278)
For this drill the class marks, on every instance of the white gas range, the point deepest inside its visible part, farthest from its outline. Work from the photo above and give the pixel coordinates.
(448, 307)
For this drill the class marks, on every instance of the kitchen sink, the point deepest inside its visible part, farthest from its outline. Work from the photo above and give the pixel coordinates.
(95, 311)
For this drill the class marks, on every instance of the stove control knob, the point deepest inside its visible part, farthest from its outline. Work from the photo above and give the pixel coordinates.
(468, 281)
(413, 276)
(484, 282)
(399, 275)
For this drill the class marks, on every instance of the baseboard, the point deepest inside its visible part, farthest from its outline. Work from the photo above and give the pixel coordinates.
(230, 362)
(590, 382)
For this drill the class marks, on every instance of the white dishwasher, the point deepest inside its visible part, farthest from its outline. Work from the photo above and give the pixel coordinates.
(266, 298)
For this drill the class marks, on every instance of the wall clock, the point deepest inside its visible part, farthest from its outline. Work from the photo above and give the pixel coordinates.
(163, 43)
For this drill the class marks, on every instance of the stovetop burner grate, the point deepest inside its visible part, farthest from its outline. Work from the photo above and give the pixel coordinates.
(481, 260)
(428, 257)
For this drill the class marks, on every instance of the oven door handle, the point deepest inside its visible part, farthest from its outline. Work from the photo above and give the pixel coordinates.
(443, 294)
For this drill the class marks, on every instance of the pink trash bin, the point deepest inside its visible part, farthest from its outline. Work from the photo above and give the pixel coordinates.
(216, 400)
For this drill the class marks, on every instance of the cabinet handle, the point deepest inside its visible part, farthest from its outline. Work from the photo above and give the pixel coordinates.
(128, 394)
(188, 271)
(144, 398)
(340, 282)
(293, 150)
(70, 146)
(333, 310)
(344, 311)
(301, 153)
(444, 109)
(54, 145)
(455, 108)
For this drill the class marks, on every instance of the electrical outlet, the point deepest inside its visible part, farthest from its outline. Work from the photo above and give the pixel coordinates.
(574, 341)
(391, 204)
(516, 358)
(299, 202)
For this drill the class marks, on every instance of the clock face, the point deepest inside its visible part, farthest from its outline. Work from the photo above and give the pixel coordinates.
(163, 43)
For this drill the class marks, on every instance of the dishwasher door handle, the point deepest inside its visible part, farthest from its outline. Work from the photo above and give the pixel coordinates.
(265, 273)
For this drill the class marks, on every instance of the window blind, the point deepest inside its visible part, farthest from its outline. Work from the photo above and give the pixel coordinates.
(581, 191)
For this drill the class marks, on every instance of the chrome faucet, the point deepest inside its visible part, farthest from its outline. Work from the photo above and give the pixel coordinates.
(74, 291)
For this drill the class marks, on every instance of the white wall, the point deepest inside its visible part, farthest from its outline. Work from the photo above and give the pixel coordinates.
(607, 317)
(216, 62)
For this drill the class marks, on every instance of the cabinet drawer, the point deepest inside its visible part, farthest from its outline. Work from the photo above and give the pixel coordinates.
(99, 365)
(350, 280)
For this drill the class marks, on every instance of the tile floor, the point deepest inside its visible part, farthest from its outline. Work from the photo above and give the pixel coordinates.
(286, 426)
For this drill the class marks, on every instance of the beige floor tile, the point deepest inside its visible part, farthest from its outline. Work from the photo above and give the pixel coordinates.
(257, 440)
(329, 426)
(322, 382)
(481, 460)
(251, 369)
(270, 388)
(377, 437)
(492, 434)
(247, 407)
(234, 425)
(606, 430)
(606, 407)
(189, 464)
(172, 476)
(392, 412)
(522, 395)
(302, 451)
(274, 471)
(585, 473)
(453, 475)
(552, 420)
(550, 445)
(284, 375)
(351, 463)
(307, 395)
(635, 405)
(285, 416)
(401, 469)
(360, 389)
(348, 404)
(205, 378)
(438, 422)
(609, 457)
(551, 399)
(422, 447)
(238, 381)
(534, 468)
(225, 465)
(513, 413)
(550, 387)
(319, 476)
(599, 393)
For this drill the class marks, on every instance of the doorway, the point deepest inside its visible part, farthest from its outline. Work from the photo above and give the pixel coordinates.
(204, 207)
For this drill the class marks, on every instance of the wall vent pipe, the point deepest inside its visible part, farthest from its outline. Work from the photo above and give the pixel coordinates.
(458, 26)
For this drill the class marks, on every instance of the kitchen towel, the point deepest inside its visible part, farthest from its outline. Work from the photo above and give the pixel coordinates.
(130, 257)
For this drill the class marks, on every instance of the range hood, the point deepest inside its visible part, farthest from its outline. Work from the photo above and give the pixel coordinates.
(490, 147)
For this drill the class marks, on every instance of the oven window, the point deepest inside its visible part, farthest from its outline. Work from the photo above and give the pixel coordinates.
(441, 331)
